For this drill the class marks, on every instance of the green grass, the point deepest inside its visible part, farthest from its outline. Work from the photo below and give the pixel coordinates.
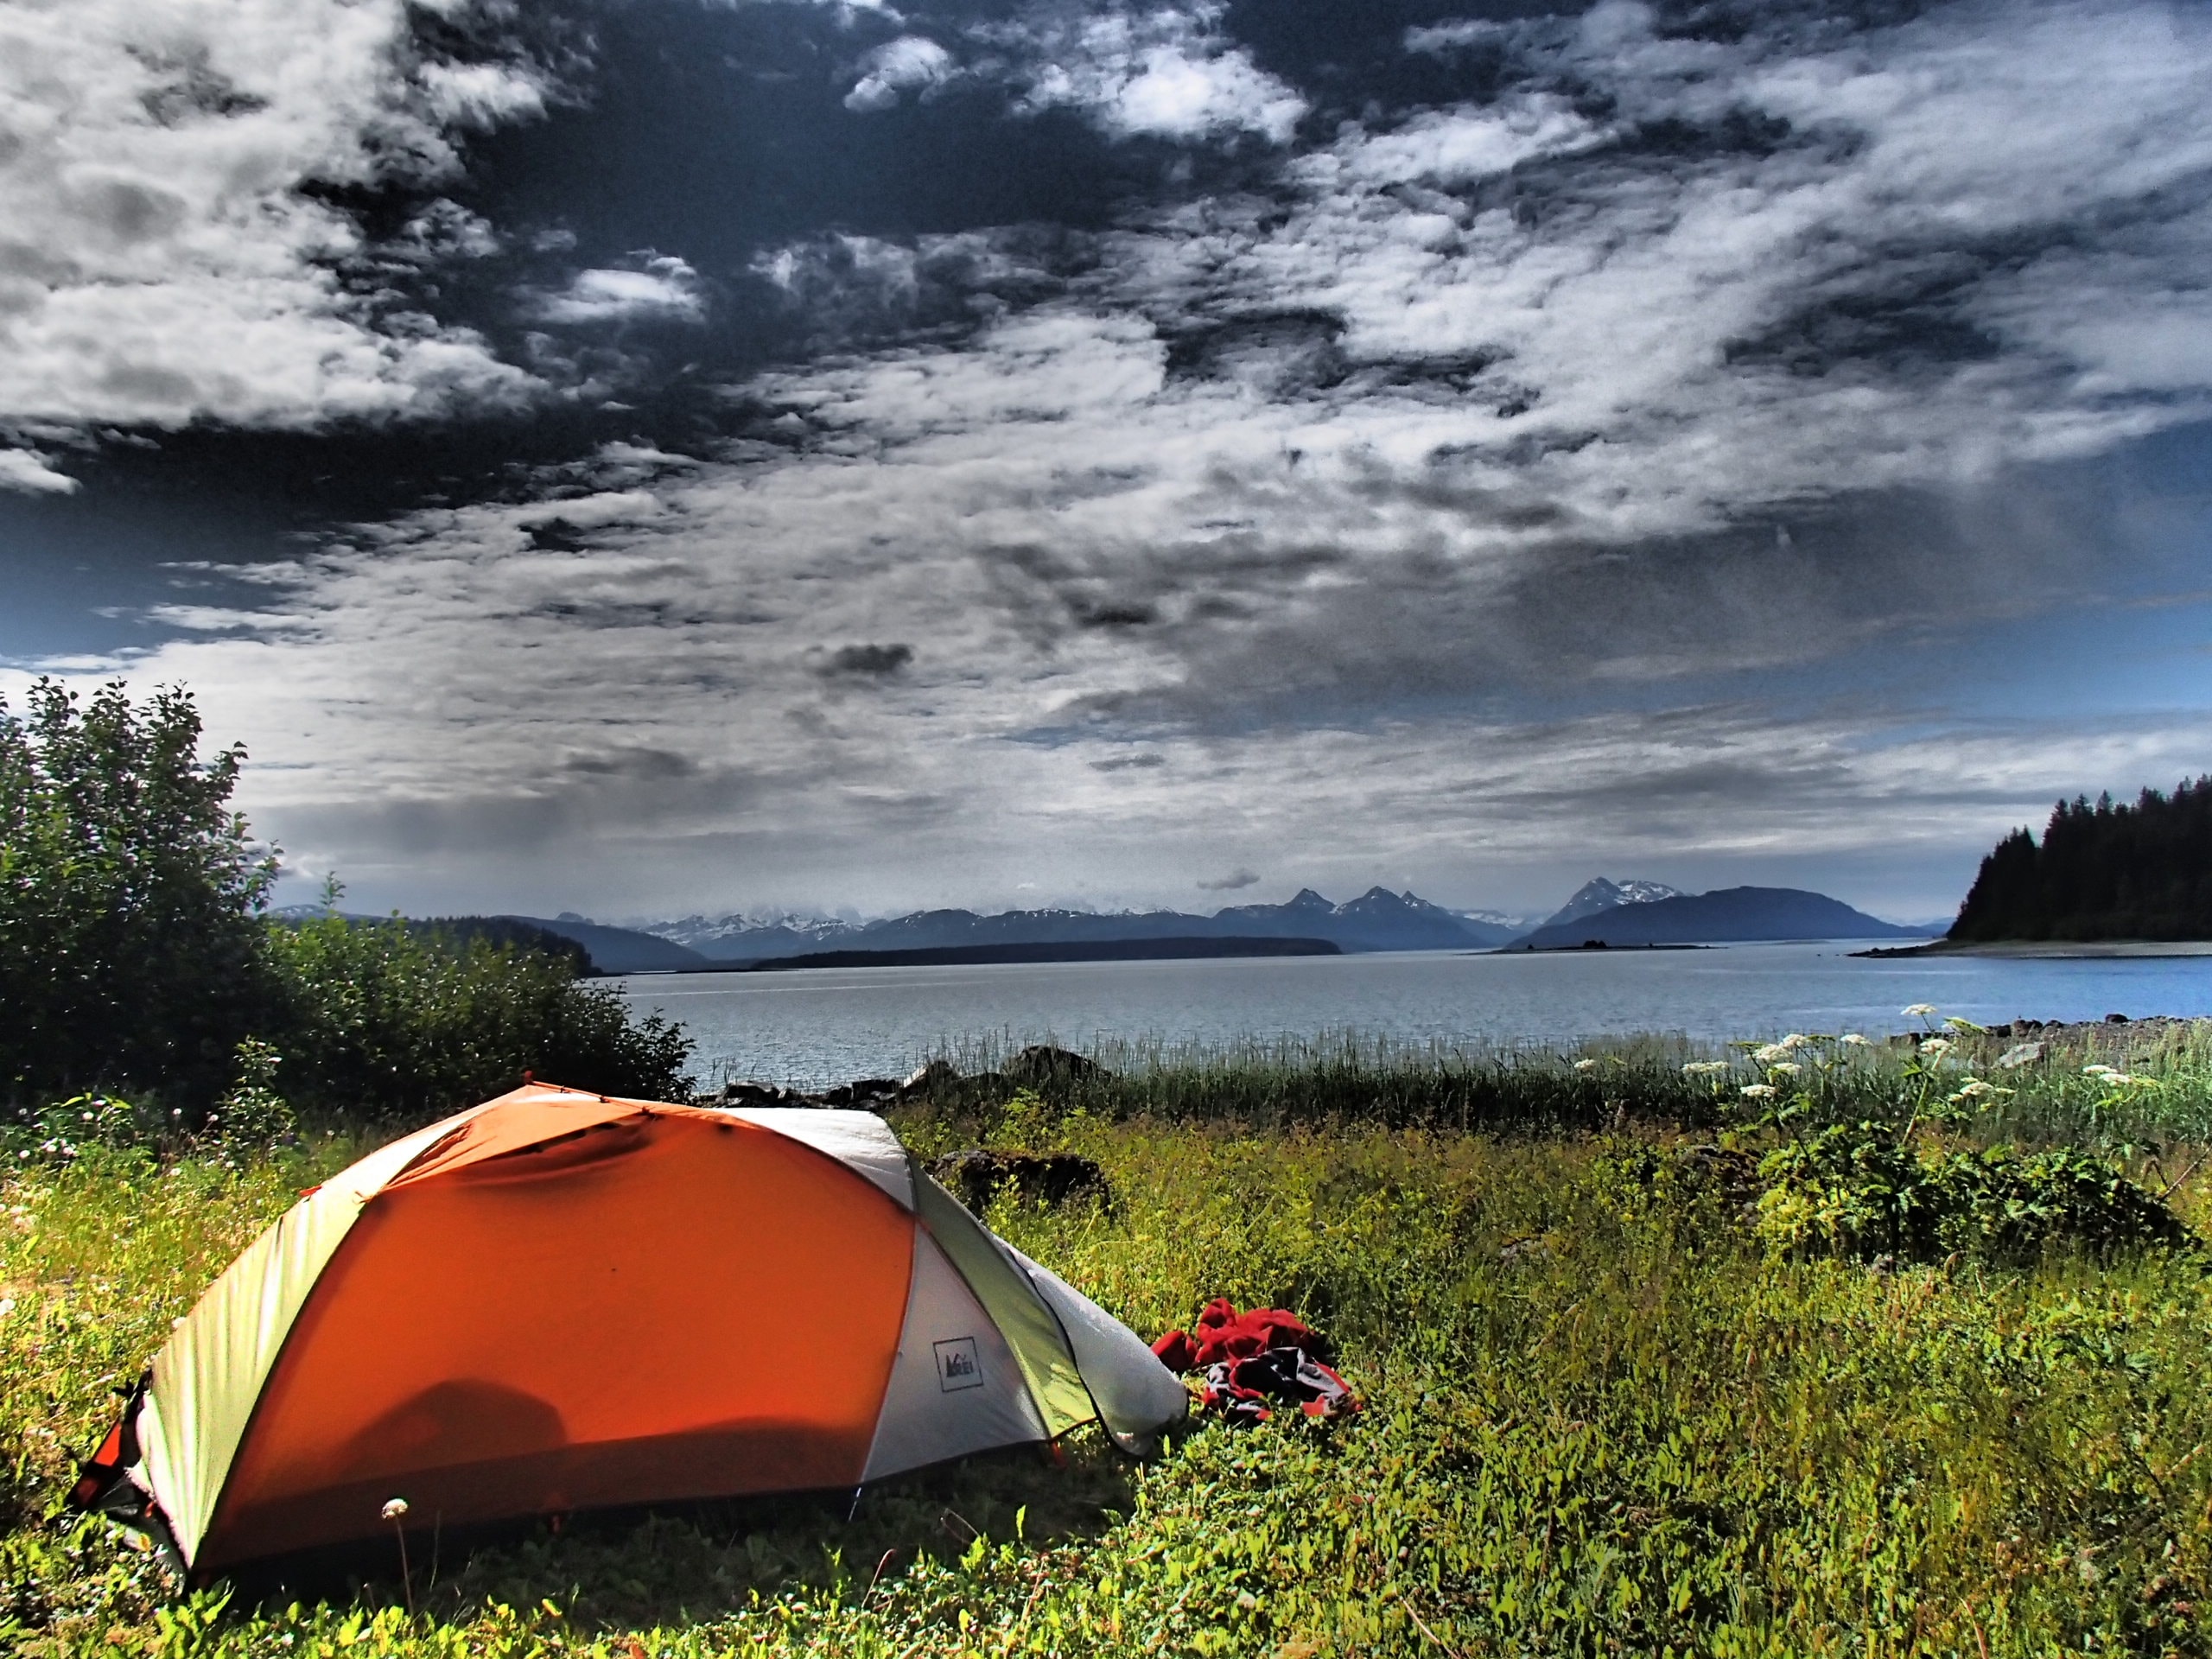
(1347, 1079)
(1597, 1422)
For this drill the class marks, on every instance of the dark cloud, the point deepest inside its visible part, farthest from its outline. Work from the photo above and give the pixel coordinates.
(868, 661)
(1233, 883)
(1144, 762)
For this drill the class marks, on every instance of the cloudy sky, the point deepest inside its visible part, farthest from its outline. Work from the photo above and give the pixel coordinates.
(647, 456)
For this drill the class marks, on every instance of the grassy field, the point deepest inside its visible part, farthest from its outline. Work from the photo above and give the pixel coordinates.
(1608, 1411)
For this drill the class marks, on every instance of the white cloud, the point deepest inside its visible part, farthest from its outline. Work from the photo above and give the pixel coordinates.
(910, 63)
(1275, 492)
(1457, 147)
(159, 262)
(1166, 73)
(665, 288)
(27, 471)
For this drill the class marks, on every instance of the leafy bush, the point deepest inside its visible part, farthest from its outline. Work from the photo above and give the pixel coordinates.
(1863, 1190)
(61, 1132)
(253, 1117)
(130, 939)
(390, 1019)
(135, 955)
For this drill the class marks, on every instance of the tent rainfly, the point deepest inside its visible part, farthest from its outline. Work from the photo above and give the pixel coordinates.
(558, 1301)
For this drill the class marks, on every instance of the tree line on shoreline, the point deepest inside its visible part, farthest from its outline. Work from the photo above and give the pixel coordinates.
(2102, 871)
(137, 952)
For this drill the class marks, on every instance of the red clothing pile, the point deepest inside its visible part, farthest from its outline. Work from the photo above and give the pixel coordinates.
(1248, 1359)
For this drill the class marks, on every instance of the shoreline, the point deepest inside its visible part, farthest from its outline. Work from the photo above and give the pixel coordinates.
(2051, 950)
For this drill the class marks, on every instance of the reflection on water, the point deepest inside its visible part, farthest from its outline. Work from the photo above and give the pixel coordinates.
(822, 1025)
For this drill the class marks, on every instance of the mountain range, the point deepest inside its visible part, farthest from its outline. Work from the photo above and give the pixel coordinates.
(1616, 912)
(1377, 920)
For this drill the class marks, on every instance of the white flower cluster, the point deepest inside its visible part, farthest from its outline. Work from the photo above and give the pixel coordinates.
(1708, 1069)
(1773, 1052)
(2113, 1078)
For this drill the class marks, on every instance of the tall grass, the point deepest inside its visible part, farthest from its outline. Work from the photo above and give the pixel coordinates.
(1346, 1079)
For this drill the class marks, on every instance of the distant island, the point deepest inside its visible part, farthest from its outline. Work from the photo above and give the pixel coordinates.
(2102, 873)
(1729, 916)
(956, 955)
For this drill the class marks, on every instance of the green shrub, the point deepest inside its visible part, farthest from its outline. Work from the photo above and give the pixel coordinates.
(253, 1117)
(130, 942)
(2011, 1206)
(1863, 1190)
(389, 1020)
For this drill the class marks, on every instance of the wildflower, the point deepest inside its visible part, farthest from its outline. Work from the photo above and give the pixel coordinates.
(7, 1305)
(1708, 1069)
(1918, 1010)
(1785, 1068)
(2113, 1079)
(1586, 1065)
(1794, 1040)
(393, 1509)
(1853, 1039)
(1758, 1091)
(1975, 1089)
(1939, 1046)
(1770, 1053)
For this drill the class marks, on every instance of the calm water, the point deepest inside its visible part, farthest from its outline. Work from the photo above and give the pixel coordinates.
(827, 1024)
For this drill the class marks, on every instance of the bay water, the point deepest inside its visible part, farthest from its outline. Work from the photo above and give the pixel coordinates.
(817, 1026)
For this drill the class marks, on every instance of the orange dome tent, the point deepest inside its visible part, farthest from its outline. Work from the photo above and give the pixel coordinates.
(558, 1301)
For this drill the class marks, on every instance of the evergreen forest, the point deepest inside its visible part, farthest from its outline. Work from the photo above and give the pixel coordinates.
(2101, 872)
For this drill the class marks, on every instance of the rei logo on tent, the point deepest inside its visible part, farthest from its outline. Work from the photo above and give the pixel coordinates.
(956, 1367)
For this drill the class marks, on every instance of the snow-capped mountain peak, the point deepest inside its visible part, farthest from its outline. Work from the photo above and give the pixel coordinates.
(1599, 893)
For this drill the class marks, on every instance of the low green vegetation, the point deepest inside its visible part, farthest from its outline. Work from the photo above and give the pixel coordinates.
(137, 956)
(1698, 1370)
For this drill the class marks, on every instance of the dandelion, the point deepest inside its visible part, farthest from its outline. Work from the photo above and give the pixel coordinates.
(395, 1511)
(1758, 1091)
(1586, 1065)
(1785, 1068)
(1918, 1010)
